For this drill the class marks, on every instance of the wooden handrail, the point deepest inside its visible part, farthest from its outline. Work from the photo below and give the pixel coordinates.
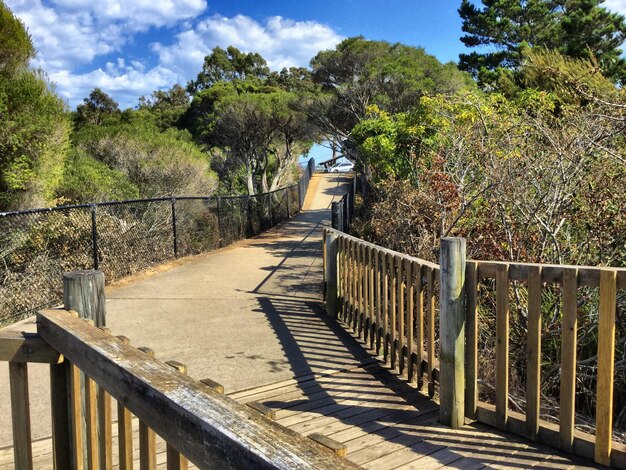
(210, 429)
(394, 294)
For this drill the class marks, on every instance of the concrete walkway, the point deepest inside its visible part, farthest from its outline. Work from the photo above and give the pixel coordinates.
(244, 316)
(248, 315)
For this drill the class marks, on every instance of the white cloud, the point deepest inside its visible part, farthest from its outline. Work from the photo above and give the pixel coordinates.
(125, 83)
(616, 5)
(282, 42)
(73, 36)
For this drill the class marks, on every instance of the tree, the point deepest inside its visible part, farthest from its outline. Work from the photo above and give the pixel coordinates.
(34, 129)
(576, 28)
(95, 109)
(16, 47)
(166, 106)
(228, 65)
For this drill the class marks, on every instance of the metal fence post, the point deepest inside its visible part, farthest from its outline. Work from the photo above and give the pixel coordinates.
(250, 226)
(300, 195)
(288, 194)
(174, 232)
(94, 238)
(334, 211)
(219, 220)
(452, 332)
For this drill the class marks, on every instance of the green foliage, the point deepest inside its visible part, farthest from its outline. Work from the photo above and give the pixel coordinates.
(576, 28)
(86, 179)
(33, 139)
(166, 107)
(158, 163)
(96, 109)
(16, 47)
(228, 65)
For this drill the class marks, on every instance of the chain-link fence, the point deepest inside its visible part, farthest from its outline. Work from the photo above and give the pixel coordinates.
(123, 237)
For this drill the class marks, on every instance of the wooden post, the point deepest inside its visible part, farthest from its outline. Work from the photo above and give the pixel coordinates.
(20, 415)
(452, 332)
(83, 292)
(61, 433)
(331, 274)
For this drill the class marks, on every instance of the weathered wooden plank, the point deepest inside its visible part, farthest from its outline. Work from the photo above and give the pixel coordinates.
(76, 406)
(125, 437)
(419, 323)
(147, 436)
(330, 274)
(502, 345)
(218, 387)
(337, 447)
(61, 433)
(342, 278)
(18, 346)
(567, 399)
(20, 415)
(471, 380)
(549, 434)
(105, 424)
(180, 409)
(430, 319)
(533, 352)
(551, 273)
(92, 423)
(410, 311)
(606, 366)
(401, 314)
(175, 460)
(262, 409)
(393, 309)
(371, 297)
(385, 302)
(452, 332)
(378, 281)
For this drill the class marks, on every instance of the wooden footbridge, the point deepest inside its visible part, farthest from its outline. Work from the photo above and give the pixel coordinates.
(382, 375)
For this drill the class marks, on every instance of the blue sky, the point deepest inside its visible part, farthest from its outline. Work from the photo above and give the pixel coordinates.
(130, 48)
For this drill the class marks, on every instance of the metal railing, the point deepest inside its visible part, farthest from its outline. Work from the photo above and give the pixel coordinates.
(124, 237)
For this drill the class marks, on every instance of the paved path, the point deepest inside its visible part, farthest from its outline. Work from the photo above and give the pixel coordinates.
(248, 315)
(244, 316)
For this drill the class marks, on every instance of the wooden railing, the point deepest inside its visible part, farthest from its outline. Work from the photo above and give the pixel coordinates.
(388, 299)
(93, 372)
(384, 297)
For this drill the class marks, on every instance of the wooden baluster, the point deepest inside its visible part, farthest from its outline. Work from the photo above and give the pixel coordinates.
(393, 311)
(401, 313)
(147, 437)
(471, 378)
(361, 287)
(371, 291)
(378, 282)
(502, 345)
(350, 283)
(567, 401)
(410, 308)
(61, 433)
(105, 425)
(20, 415)
(91, 423)
(419, 323)
(124, 430)
(366, 293)
(385, 268)
(606, 365)
(175, 460)
(533, 352)
(76, 400)
(430, 319)
(340, 276)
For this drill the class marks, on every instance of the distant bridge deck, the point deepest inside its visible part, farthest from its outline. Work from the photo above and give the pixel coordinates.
(250, 317)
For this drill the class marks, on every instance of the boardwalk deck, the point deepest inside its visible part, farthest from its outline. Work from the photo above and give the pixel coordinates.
(387, 424)
(260, 330)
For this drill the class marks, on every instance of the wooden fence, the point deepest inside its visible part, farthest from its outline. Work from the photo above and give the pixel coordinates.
(423, 319)
(90, 370)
